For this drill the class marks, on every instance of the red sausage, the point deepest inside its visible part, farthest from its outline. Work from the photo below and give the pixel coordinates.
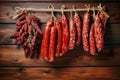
(72, 28)
(103, 20)
(35, 25)
(59, 38)
(65, 34)
(34, 39)
(26, 51)
(20, 23)
(98, 33)
(45, 41)
(35, 18)
(92, 41)
(21, 17)
(52, 44)
(78, 27)
(14, 36)
(85, 31)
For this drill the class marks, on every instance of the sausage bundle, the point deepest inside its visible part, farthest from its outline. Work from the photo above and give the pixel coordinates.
(29, 34)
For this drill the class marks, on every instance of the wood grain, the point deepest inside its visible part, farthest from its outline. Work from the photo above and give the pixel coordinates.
(12, 55)
(107, 1)
(7, 10)
(73, 73)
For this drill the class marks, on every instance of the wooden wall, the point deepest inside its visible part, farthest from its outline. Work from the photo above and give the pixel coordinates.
(76, 64)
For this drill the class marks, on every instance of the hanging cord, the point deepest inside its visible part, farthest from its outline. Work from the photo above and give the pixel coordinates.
(51, 7)
(71, 14)
(93, 9)
(62, 9)
(74, 9)
(88, 7)
(19, 11)
(102, 9)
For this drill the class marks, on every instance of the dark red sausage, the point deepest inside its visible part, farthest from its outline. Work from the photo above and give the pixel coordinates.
(21, 17)
(65, 34)
(22, 30)
(103, 20)
(35, 25)
(73, 32)
(45, 41)
(92, 41)
(20, 23)
(29, 29)
(85, 31)
(28, 19)
(78, 27)
(59, 38)
(23, 36)
(14, 36)
(52, 44)
(98, 33)
(34, 39)
(35, 18)
(26, 51)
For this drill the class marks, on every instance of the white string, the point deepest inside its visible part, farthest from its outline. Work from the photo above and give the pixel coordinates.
(20, 10)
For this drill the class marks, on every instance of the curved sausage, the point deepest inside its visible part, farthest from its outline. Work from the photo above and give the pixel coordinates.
(59, 38)
(78, 27)
(65, 34)
(45, 41)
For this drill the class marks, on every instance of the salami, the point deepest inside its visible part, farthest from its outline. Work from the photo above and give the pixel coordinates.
(45, 41)
(52, 44)
(99, 38)
(72, 28)
(65, 34)
(59, 38)
(85, 30)
(92, 40)
(78, 24)
(103, 20)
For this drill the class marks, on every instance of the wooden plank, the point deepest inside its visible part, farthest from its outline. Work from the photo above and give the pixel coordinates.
(12, 55)
(74, 73)
(111, 35)
(59, 1)
(7, 10)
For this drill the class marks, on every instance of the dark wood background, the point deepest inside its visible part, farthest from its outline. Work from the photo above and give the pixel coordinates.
(76, 64)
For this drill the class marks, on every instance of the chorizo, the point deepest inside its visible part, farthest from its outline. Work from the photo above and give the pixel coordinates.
(103, 20)
(45, 41)
(72, 28)
(98, 33)
(78, 24)
(92, 40)
(52, 44)
(85, 31)
(65, 34)
(59, 38)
